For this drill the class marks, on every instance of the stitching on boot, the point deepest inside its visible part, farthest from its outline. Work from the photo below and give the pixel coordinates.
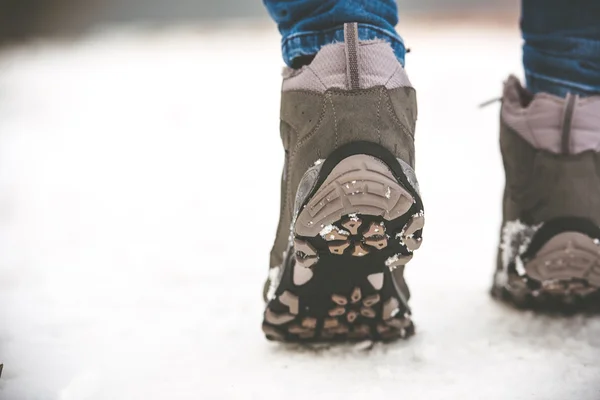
(335, 124)
(378, 122)
(395, 118)
(300, 143)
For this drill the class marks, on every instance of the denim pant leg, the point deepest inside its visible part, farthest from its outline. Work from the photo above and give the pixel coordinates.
(308, 25)
(561, 51)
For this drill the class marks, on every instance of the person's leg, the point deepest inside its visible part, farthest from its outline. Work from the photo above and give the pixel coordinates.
(550, 142)
(351, 214)
(308, 25)
(561, 51)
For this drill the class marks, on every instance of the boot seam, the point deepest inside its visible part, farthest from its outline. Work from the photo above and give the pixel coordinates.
(335, 123)
(378, 120)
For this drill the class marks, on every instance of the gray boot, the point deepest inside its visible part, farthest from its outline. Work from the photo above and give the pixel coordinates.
(351, 215)
(549, 255)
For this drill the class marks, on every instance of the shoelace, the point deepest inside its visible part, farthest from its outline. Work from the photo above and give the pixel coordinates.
(490, 102)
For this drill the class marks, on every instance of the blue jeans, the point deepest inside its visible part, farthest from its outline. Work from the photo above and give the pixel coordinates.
(308, 25)
(561, 51)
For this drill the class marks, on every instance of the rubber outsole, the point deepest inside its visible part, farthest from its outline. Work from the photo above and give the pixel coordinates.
(562, 276)
(358, 225)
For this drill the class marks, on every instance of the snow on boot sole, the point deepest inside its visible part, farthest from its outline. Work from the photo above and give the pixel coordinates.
(362, 220)
(559, 271)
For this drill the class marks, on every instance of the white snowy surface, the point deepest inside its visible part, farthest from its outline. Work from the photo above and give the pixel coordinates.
(139, 192)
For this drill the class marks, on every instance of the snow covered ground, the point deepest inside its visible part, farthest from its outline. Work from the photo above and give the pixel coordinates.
(128, 161)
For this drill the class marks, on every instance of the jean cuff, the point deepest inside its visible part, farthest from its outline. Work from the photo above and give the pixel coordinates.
(309, 43)
(562, 63)
(538, 83)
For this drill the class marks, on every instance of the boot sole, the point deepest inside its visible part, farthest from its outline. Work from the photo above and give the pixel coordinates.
(560, 274)
(351, 233)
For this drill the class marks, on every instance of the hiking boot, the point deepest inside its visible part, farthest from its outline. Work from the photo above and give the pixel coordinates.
(351, 215)
(549, 256)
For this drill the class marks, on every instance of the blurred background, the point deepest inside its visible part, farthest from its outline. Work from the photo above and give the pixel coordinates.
(30, 18)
